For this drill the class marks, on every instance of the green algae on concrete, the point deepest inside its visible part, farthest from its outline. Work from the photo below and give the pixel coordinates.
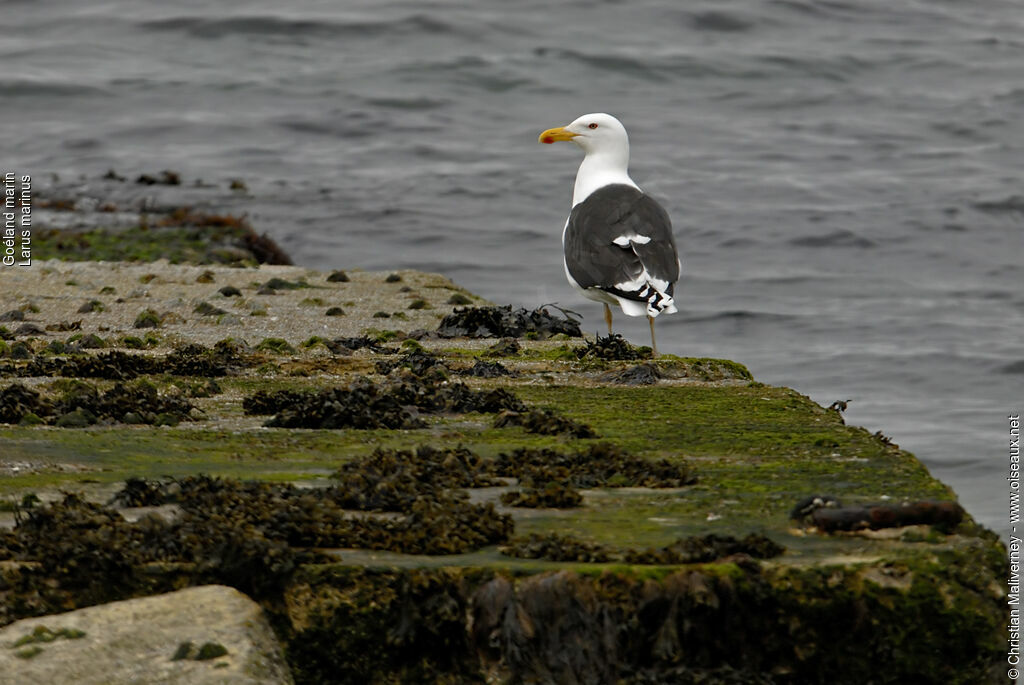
(181, 237)
(912, 605)
(44, 634)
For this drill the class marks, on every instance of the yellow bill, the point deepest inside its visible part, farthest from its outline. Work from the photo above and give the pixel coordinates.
(555, 134)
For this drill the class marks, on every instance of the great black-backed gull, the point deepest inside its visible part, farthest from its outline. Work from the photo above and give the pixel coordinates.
(617, 241)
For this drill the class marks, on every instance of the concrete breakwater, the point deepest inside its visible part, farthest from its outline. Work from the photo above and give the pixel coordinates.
(407, 506)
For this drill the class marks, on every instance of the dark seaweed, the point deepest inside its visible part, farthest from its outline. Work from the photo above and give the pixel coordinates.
(612, 348)
(361, 405)
(706, 548)
(641, 374)
(690, 550)
(365, 404)
(17, 401)
(505, 322)
(435, 520)
(545, 422)
(338, 276)
(266, 402)
(418, 362)
(506, 347)
(544, 490)
(598, 466)
(82, 404)
(190, 360)
(391, 480)
(347, 346)
(276, 283)
(555, 547)
(484, 369)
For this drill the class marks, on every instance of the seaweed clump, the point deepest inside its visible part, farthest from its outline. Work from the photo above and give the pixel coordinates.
(707, 548)
(690, 550)
(115, 365)
(142, 492)
(83, 404)
(647, 373)
(148, 318)
(346, 346)
(506, 347)
(545, 422)
(433, 521)
(137, 402)
(265, 402)
(196, 360)
(189, 360)
(598, 465)
(544, 487)
(555, 547)
(17, 402)
(418, 362)
(549, 478)
(392, 480)
(612, 348)
(204, 652)
(44, 634)
(486, 369)
(362, 405)
(338, 276)
(505, 322)
(365, 404)
(90, 554)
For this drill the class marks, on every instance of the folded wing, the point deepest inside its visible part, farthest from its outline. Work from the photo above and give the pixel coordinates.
(619, 241)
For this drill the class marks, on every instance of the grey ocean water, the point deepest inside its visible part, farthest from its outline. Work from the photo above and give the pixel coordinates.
(844, 177)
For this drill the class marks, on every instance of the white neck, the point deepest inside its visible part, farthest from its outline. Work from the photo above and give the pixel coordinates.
(600, 169)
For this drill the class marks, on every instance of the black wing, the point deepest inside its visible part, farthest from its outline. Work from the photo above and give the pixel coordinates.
(623, 213)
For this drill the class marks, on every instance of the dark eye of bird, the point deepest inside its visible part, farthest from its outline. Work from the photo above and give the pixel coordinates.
(593, 126)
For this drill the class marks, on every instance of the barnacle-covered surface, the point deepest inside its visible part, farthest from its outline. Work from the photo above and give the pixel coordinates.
(415, 507)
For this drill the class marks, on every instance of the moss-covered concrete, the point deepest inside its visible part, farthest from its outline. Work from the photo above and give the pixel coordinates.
(892, 606)
(716, 623)
(181, 235)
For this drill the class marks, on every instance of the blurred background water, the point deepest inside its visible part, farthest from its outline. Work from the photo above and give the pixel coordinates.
(844, 177)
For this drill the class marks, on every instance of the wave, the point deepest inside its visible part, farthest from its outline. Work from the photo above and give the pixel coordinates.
(749, 278)
(409, 102)
(269, 25)
(634, 67)
(861, 12)
(719, 21)
(739, 242)
(474, 72)
(331, 128)
(832, 67)
(737, 315)
(1016, 367)
(841, 238)
(1013, 204)
(25, 88)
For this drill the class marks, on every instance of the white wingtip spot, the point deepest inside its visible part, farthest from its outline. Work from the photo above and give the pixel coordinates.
(625, 240)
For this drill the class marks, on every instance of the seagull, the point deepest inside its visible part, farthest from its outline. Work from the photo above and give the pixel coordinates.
(617, 241)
